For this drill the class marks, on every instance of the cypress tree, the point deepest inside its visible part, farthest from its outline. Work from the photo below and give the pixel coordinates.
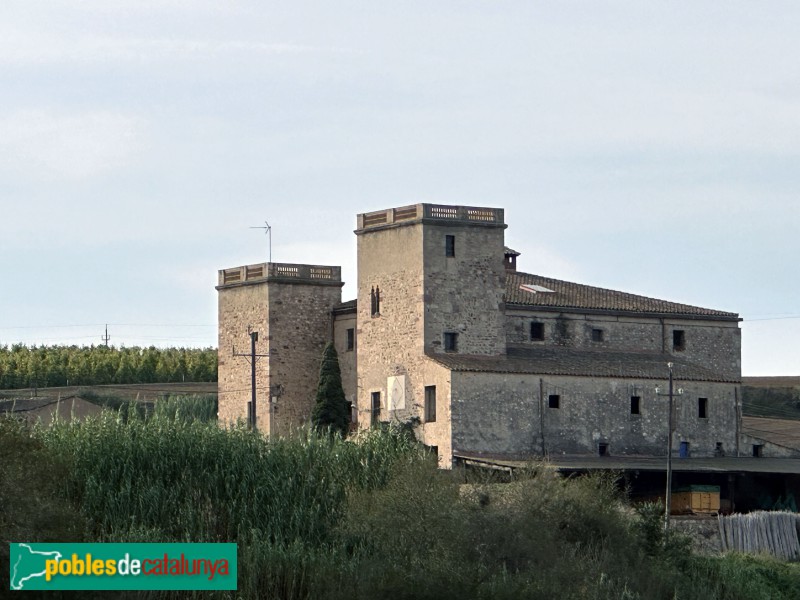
(330, 410)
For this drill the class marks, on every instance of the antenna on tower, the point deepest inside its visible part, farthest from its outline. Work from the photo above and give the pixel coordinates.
(268, 231)
(106, 337)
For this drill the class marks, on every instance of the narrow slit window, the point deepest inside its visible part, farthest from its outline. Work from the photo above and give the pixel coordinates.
(430, 404)
(702, 408)
(375, 301)
(636, 405)
(351, 339)
(537, 332)
(375, 409)
(449, 245)
(554, 401)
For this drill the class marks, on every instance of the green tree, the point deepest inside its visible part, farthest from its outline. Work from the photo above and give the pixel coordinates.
(330, 410)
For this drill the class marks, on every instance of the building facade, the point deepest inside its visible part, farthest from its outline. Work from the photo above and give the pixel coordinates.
(482, 359)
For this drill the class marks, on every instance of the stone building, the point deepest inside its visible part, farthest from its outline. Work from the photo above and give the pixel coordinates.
(483, 360)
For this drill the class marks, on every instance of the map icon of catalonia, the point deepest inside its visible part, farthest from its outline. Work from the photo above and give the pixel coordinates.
(27, 563)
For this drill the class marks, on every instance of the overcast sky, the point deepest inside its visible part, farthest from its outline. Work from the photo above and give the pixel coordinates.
(649, 147)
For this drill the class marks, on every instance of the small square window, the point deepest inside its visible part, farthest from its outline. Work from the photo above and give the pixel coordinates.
(450, 342)
(351, 338)
(450, 245)
(702, 408)
(602, 449)
(537, 332)
(554, 401)
(597, 335)
(678, 340)
(758, 450)
(636, 405)
(430, 403)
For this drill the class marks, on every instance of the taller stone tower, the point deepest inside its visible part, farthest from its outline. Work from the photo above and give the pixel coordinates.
(431, 279)
(290, 307)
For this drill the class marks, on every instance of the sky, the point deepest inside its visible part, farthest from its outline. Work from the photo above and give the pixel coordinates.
(648, 147)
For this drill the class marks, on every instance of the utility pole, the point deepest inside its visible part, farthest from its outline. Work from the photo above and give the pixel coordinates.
(670, 425)
(252, 415)
(668, 509)
(106, 337)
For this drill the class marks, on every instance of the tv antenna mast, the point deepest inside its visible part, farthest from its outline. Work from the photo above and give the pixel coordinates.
(106, 337)
(268, 231)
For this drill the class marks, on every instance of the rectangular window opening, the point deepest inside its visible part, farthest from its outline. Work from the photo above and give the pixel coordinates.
(450, 341)
(351, 339)
(758, 450)
(678, 340)
(554, 401)
(702, 408)
(537, 332)
(597, 335)
(602, 449)
(375, 408)
(430, 403)
(449, 245)
(636, 405)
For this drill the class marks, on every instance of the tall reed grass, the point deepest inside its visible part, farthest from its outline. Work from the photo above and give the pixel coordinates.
(370, 517)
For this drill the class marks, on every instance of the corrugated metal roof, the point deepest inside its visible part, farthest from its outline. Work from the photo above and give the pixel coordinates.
(575, 295)
(549, 360)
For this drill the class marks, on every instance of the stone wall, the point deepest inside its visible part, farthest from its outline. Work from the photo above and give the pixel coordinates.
(290, 306)
(424, 293)
(239, 308)
(390, 342)
(300, 325)
(464, 293)
(714, 345)
(768, 449)
(347, 357)
(702, 531)
(507, 415)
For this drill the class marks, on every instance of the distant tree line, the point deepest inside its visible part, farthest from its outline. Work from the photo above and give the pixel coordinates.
(54, 366)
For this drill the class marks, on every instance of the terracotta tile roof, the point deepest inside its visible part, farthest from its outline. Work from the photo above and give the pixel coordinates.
(549, 360)
(575, 295)
(346, 307)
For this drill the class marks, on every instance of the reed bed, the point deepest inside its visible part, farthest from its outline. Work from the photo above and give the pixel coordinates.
(175, 476)
(370, 517)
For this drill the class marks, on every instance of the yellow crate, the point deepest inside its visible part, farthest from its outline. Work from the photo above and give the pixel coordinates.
(695, 502)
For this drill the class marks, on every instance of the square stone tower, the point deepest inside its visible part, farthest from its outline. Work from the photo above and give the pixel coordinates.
(431, 279)
(290, 306)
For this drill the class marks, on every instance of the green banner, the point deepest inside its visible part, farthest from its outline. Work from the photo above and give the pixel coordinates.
(123, 566)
